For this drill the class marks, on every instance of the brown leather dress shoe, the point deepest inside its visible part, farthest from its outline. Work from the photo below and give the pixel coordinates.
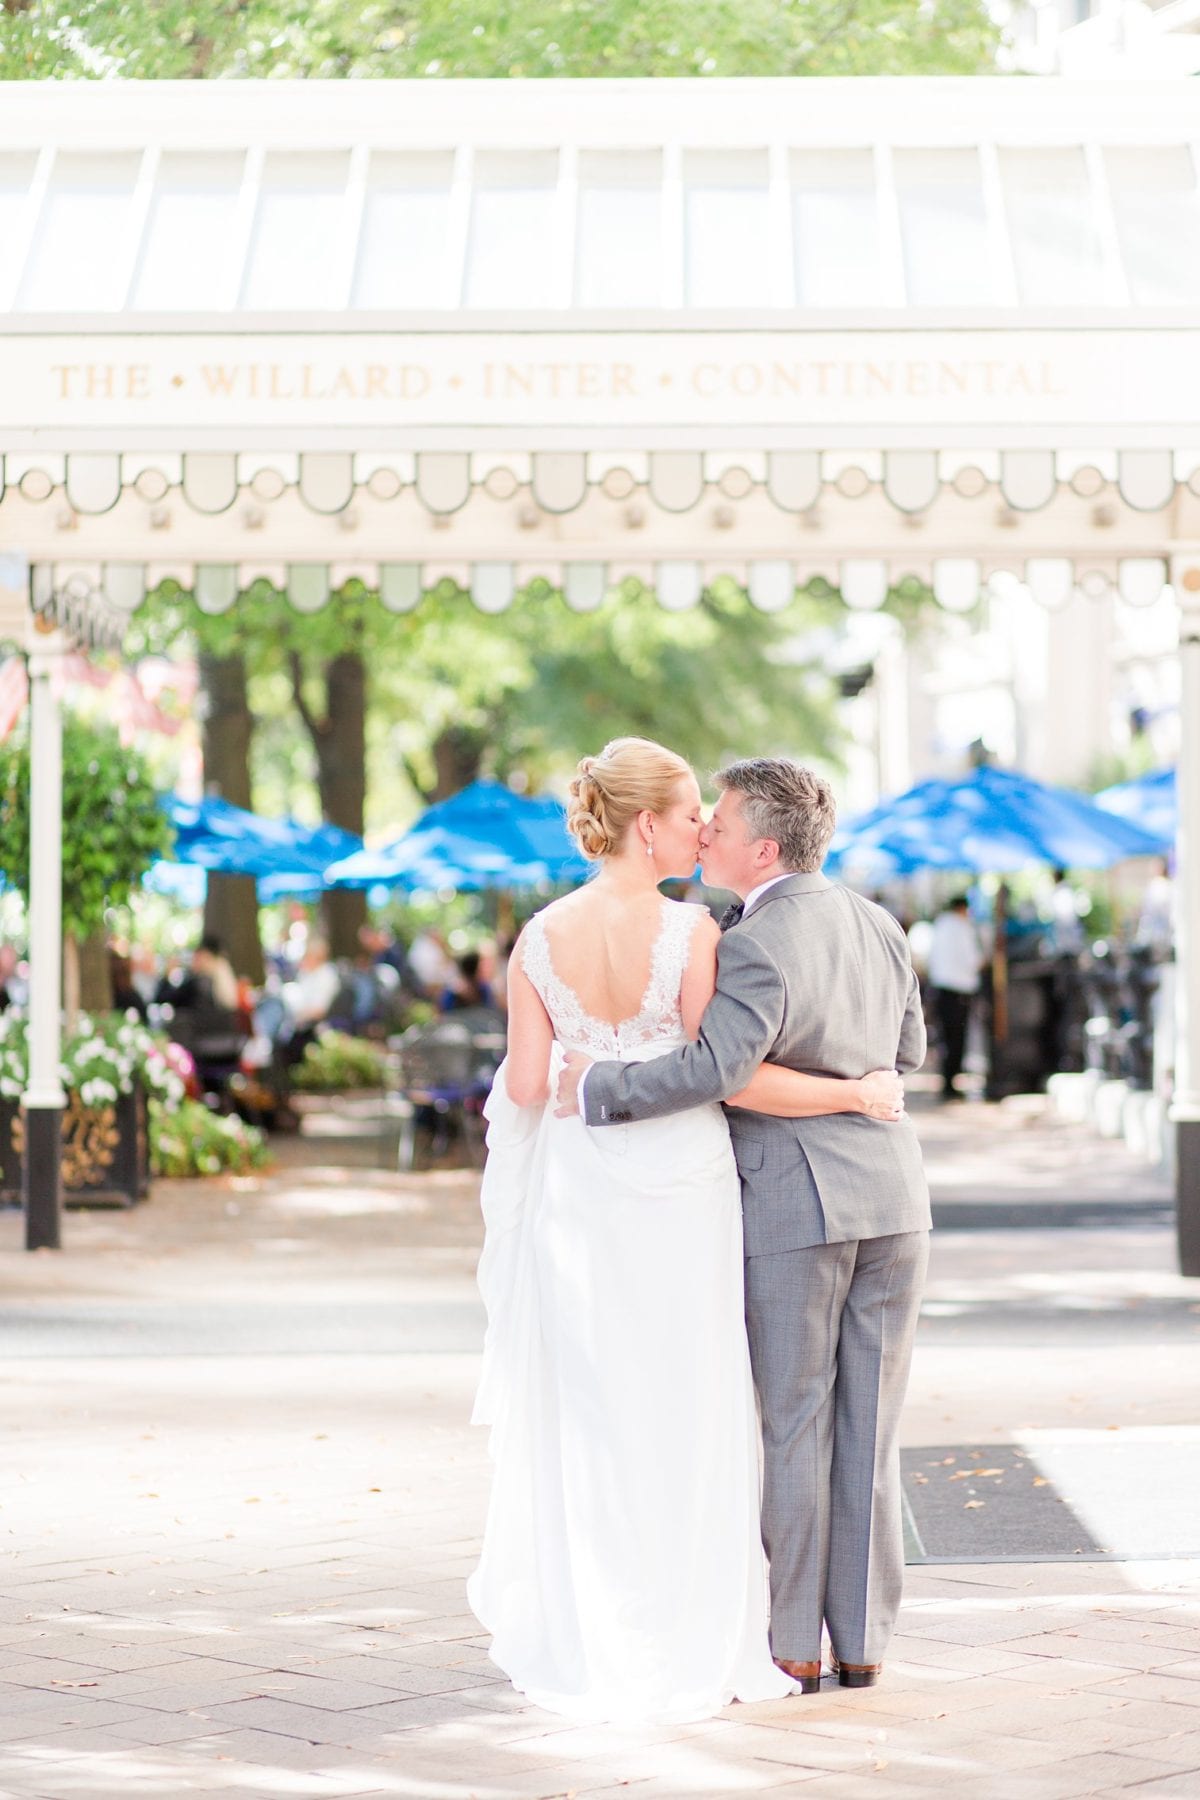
(806, 1675)
(855, 1675)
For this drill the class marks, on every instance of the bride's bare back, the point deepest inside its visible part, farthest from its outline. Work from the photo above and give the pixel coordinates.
(596, 949)
(602, 946)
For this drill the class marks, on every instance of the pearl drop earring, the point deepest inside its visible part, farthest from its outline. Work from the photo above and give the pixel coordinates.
(650, 847)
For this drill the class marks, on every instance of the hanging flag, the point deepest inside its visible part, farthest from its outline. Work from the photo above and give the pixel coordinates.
(137, 712)
(78, 667)
(14, 692)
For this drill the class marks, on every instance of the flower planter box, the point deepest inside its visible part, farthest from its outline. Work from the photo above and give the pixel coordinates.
(106, 1151)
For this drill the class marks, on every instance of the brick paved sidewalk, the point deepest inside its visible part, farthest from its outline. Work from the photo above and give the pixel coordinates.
(239, 1498)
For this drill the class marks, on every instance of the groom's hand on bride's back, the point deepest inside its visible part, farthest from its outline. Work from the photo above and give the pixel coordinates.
(882, 1095)
(566, 1100)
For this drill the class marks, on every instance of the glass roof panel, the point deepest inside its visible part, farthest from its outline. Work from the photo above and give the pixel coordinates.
(184, 263)
(1056, 248)
(512, 229)
(295, 253)
(618, 243)
(402, 249)
(943, 228)
(75, 263)
(16, 174)
(726, 228)
(1157, 211)
(835, 219)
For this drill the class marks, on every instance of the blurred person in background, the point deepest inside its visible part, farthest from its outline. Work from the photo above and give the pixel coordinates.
(1065, 934)
(431, 963)
(467, 987)
(207, 981)
(955, 968)
(1156, 916)
(210, 961)
(312, 993)
(126, 995)
(387, 951)
(144, 965)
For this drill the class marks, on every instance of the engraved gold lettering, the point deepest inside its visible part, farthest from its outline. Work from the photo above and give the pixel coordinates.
(219, 378)
(98, 380)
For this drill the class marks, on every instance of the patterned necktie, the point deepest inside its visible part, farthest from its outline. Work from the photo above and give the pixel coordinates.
(732, 915)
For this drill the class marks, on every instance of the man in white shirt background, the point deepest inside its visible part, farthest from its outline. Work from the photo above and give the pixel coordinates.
(955, 962)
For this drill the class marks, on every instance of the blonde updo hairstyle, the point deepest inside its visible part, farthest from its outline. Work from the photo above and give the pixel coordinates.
(630, 775)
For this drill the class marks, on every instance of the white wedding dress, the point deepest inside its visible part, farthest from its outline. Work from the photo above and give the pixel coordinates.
(622, 1575)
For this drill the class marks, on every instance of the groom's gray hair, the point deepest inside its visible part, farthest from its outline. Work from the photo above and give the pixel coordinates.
(786, 802)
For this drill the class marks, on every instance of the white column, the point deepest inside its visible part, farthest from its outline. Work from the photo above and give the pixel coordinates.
(44, 1097)
(1185, 1106)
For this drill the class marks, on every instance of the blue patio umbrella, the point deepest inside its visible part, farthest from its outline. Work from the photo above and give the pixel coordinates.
(433, 858)
(992, 820)
(286, 857)
(483, 837)
(1150, 801)
(188, 884)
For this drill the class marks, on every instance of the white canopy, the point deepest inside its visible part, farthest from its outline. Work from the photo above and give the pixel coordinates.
(494, 329)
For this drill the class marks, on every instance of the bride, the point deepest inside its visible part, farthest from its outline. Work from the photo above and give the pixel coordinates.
(622, 1574)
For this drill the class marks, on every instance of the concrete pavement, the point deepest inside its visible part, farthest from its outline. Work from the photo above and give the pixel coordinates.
(239, 1498)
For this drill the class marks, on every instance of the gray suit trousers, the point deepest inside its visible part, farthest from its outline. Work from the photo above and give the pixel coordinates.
(831, 1337)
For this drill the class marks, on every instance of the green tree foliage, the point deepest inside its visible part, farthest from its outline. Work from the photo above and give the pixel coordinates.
(113, 828)
(539, 686)
(192, 39)
(454, 691)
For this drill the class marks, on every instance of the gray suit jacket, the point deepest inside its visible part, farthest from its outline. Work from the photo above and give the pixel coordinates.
(818, 979)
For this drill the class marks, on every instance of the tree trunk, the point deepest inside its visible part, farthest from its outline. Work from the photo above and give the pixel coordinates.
(95, 974)
(231, 908)
(70, 980)
(457, 756)
(340, 742)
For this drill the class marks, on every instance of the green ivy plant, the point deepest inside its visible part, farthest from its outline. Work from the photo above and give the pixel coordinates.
(112, 830)
(113, 827)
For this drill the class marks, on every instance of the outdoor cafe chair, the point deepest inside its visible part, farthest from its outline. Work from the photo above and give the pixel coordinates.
(440, 1077)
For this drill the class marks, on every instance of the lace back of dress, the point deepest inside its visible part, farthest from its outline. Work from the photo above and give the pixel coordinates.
(657, 1019)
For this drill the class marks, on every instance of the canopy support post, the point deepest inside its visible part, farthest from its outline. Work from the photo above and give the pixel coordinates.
(1185, 1106)
(44, 1098)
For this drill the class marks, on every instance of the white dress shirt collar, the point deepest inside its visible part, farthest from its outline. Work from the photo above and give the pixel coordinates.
(756, 893)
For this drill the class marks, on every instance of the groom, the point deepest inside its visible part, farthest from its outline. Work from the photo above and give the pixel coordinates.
(836, 1208)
